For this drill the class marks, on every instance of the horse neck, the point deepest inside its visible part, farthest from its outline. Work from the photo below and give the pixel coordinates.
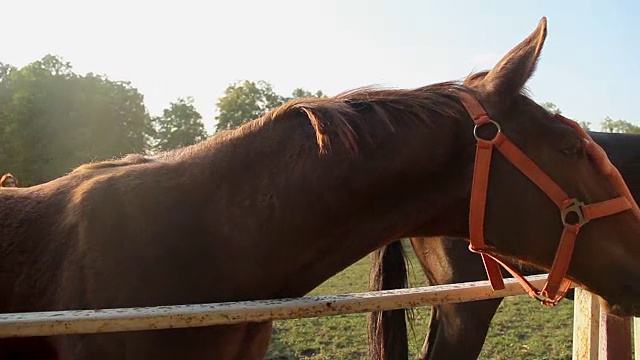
(313, 215)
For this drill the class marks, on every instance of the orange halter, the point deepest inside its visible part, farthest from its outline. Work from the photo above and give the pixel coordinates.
(557, 285)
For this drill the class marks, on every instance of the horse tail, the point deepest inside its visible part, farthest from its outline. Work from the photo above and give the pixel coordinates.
(387, 330)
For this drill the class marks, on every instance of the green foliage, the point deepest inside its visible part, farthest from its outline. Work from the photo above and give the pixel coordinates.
(551, 107)
(619, 126)
(586, 125)
(180, 125)
(248, 100)
(302, 93)
(607, 125)
(244, 101)
(52, 119)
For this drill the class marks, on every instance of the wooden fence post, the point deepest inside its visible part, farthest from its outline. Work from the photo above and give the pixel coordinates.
(636, 337)
(615, 338)
(586, 325)
(596, 334)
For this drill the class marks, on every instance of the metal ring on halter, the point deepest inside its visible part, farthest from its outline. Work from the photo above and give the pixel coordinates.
(545, 300)
(575, 208)
(498, 128)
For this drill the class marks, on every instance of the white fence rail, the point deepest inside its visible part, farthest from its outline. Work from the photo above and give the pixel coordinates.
(596, 334)
(179, 316)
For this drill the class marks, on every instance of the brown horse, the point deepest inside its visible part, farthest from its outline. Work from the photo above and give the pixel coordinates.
(447, 260)
(278, 206)
(8, 180)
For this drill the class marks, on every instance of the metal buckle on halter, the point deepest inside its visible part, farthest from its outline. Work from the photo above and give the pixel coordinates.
(576, 208)
(489, 121)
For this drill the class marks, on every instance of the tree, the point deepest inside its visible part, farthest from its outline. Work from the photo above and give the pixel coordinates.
(117, 120)
(302, 93)
(619, 126)
(180, 125)
(586, 125)
(244, 101)
(5, 71)
(7, 143)
(52, 119)
(551, 107)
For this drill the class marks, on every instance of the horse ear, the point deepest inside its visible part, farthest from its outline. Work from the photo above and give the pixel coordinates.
(511, 73)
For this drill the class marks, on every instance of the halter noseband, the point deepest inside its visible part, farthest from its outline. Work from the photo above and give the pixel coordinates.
(556, 285)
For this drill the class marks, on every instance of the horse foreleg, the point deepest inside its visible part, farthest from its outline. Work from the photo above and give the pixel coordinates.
(458, 331)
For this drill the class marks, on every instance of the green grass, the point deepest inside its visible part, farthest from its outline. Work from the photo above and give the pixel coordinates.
(522, 328)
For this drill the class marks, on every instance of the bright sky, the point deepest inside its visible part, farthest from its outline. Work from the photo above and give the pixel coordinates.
(171, 49)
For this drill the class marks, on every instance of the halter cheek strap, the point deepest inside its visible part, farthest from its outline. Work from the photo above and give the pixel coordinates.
(556, 285)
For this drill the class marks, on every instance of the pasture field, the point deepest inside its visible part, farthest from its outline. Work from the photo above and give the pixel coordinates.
(522, 328)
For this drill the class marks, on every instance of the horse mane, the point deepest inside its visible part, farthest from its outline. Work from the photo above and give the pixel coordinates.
(334, 116)
(131, 159)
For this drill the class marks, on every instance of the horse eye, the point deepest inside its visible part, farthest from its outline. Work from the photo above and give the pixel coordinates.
(575, 151)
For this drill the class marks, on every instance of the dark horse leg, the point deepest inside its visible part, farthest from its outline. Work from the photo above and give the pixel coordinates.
(456, 331)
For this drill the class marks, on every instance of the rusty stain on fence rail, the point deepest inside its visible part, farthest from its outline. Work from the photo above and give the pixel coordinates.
(182, 316)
